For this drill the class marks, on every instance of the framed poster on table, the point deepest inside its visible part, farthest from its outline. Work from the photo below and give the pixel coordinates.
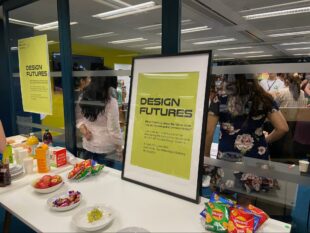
(166, 123)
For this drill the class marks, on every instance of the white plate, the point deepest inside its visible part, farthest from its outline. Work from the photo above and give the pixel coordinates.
(47, 190)
(62, 195)
(81, 221)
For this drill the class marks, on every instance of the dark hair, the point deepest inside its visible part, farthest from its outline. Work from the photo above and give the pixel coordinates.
(294, 85)
(97, 92)
(259, 98)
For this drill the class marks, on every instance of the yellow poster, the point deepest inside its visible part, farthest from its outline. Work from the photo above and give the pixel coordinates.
(35, 75)
(164, 122)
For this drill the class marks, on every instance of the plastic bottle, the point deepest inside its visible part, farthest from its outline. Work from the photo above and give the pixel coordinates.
(8, 153)
(47, 138)
(5, 175)
(43, 161)
(32, 142)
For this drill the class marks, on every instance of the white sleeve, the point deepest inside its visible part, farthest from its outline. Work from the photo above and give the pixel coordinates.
(79, 119)
(113, 125)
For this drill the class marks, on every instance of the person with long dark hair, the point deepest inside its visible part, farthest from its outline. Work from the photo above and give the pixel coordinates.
(99, 124)
(241, 109)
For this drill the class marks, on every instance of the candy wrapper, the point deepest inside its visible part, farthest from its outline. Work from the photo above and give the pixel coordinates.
(217, 217)
(215, 198)
(240, 221)
(255, 183)
(258, 212)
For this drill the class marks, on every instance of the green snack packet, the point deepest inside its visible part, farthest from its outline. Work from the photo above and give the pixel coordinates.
(217, 217)
(83, 174)
(96, 169)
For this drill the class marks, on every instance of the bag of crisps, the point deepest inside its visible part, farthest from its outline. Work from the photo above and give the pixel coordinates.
(240, 221)
(217, 216)
(260, 213)
(215, 198)
(256, 217)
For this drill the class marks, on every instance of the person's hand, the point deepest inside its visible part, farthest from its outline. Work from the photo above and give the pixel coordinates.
(85, 132)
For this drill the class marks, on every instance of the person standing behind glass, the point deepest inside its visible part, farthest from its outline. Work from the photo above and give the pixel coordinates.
(272, 83)
(2, 138)
(241, 109)
(99, 124)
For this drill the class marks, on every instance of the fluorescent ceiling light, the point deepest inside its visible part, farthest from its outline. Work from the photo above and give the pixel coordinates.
(23, 23)
(214, 41)
(224, 58)
(293, 11)
(14, 48)
(49, 26)
(293, 49)
(235, 48)
(251, 52)
(135, 9)
(195, 29)
(302, 54)
(158, 26)
(294, 43)
(127, 41)
(95, 36)
(151, 48)
(289, 34)
(265, 55)
(143, 45)
(275, 6)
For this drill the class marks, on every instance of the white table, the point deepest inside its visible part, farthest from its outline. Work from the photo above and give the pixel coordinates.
(134, 205)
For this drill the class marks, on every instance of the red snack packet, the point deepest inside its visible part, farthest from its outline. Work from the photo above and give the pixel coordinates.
(240, 222)
(263, 216)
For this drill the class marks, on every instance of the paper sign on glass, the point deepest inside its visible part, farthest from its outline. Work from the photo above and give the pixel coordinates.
(35, 75)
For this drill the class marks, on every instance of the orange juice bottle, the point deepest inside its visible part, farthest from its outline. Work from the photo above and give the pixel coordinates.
(43, 162)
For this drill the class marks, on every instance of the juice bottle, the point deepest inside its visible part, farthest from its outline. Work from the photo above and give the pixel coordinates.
(47, 138)
(43, 161)
(8, 153)
(5, 175)
(32, 142)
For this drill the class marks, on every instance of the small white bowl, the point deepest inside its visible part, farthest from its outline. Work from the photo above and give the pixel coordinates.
(47, 190)
(81, 221)
(66, 208)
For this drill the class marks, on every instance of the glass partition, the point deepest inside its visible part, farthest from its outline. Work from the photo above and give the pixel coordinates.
(265, 44)
(24, 24)
(109, 35)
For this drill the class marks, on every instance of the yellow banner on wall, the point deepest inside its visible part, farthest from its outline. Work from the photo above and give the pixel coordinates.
(35, 78)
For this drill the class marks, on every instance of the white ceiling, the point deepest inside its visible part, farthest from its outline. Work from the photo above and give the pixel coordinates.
(225, 17)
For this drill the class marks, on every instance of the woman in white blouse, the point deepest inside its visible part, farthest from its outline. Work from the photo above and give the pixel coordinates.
(98, 121)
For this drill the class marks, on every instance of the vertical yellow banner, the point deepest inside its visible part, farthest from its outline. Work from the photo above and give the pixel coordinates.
(35, 75)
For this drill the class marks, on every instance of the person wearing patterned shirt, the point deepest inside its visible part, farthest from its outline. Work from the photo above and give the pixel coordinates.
(241, 109)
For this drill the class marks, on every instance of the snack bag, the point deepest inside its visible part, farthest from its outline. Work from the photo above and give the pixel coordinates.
(240, 221)
(258, 212)
(86, 172)
(96, 169)
(217, 216)
(203, 213)
(215, 198)
(256, 217)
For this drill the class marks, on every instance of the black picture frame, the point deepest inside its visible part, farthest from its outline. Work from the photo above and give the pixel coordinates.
(203, 131)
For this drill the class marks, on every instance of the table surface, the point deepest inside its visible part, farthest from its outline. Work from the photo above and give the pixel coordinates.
(133, 205)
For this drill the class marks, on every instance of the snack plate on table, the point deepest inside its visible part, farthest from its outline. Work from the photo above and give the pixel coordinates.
(93, 218)
(65, 201)
(47, 183)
